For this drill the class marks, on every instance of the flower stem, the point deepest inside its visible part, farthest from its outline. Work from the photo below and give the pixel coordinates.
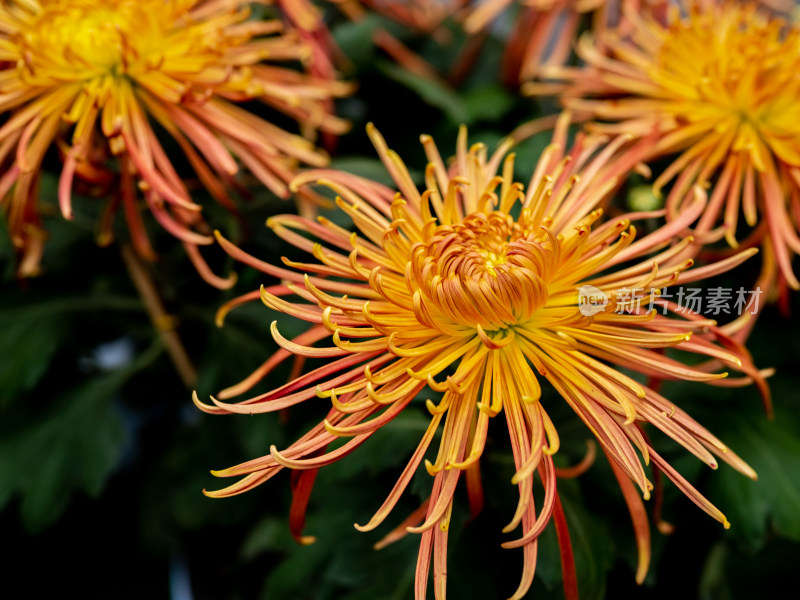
(164, 323)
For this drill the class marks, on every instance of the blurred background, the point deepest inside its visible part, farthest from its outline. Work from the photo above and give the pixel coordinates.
(103, 456)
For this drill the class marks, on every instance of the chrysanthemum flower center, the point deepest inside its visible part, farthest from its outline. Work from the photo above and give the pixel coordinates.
(487, 270)
(493, 259)
(103, 37)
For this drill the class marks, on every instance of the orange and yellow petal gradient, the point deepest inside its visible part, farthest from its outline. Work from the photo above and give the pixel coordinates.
(469, 289)
(422, 15)
(718, 80)
(95, 80)
(544, 31)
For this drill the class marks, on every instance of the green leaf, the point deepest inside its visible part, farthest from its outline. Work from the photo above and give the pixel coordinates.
(297, 575)
(773, 450)
(34, 332)
(369, 167)
(592, 546)
(342, 564)
(7, 251)
(74, 443)
(432, 92)
(271, 533)
(388, 450)
(528, 153)
(730, 574)
(642, 198)
(487, 103)
(27, 347)
(714, 581)
(355, 39)
(23, 309)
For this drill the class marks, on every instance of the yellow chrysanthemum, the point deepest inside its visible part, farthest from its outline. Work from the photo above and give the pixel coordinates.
(471, 289)
(544, 30)
(719, 80)
(94, 77)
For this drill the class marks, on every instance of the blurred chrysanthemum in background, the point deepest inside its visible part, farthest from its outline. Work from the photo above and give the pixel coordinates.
(544, 31)
(421, 15)
(426, 17)
(719, 80)
(470, 290)
(97, 80)
(309, 21)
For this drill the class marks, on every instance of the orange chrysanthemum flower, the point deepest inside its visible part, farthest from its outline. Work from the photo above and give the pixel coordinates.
(310, 24)
(422, 15)
(719, 81)
(471, 290)
(544, 30)
(94, 77)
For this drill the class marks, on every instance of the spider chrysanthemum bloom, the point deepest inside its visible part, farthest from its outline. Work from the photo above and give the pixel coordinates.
(720, 82)
(544, 31)
(425, 17)
(95, 78)
(310, 23)
(471, 290)
(422, 15)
